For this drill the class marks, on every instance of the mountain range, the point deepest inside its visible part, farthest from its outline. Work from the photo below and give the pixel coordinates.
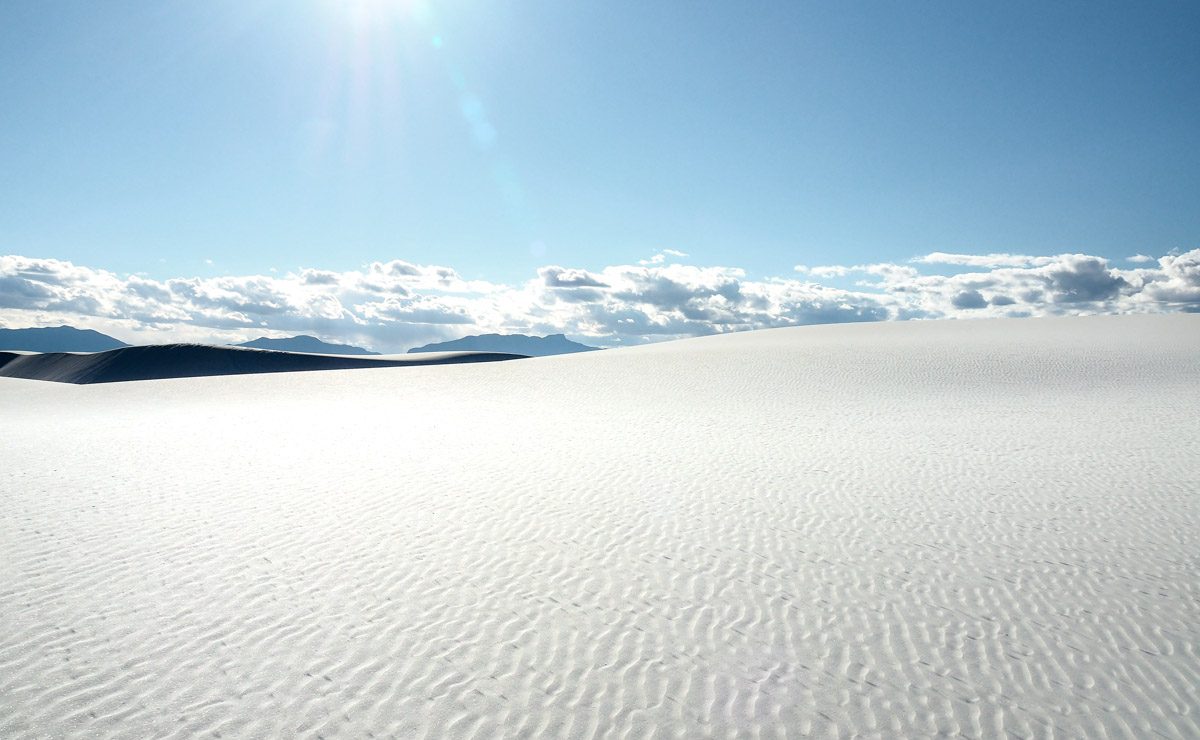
(306, 344)
(70, 339)
(517, 344)
(57, 339)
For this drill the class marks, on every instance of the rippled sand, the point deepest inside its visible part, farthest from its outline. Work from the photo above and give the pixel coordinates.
(952, 528)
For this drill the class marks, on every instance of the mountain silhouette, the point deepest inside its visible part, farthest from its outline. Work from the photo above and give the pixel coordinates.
(518, 344)
(306, 344)
(57, 339)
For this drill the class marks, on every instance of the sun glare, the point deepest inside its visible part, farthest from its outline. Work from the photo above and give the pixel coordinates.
(371, 11)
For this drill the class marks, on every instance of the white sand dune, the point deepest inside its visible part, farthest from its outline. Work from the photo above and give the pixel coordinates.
(981, 528)
(161, 361)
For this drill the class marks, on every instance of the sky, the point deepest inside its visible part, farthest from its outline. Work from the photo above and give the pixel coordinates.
(392, 172)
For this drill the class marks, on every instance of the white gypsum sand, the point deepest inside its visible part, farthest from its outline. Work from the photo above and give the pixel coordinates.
(904, 529)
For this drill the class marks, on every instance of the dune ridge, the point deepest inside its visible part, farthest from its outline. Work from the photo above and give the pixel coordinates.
(924, 529)
(163, 361)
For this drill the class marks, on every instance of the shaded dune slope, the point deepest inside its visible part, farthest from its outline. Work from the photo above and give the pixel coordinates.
(194, 360)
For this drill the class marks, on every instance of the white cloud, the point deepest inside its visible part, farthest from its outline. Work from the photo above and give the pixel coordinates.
(828, 271)
(662, 256)
(980, 260)
(1176, 281)
(392, 305)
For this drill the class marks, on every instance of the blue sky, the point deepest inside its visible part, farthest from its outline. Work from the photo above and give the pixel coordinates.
(262, 133)
(231, 137)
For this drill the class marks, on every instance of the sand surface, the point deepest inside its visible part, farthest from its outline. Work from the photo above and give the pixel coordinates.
(979, 529)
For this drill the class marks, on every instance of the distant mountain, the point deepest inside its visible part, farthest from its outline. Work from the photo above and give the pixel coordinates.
(517, 344)
(57, 339)
(307, 344)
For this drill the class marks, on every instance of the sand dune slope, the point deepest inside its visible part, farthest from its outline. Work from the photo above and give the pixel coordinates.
(159, 361)
(974, 529)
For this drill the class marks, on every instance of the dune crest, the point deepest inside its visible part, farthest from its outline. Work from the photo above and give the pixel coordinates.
(161, 361)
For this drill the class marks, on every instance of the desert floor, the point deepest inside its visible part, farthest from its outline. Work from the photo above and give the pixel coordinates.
(975, 528)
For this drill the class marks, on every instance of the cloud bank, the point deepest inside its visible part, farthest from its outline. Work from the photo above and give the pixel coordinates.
(390, 306)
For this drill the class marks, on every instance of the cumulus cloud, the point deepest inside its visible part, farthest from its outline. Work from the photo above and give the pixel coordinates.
(1176, 281)
(980, 260)
(319, 277)
(395, 304)
(969, 299)
(662, 256)
(1076, 278)
(561, 277)
(828, 271)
